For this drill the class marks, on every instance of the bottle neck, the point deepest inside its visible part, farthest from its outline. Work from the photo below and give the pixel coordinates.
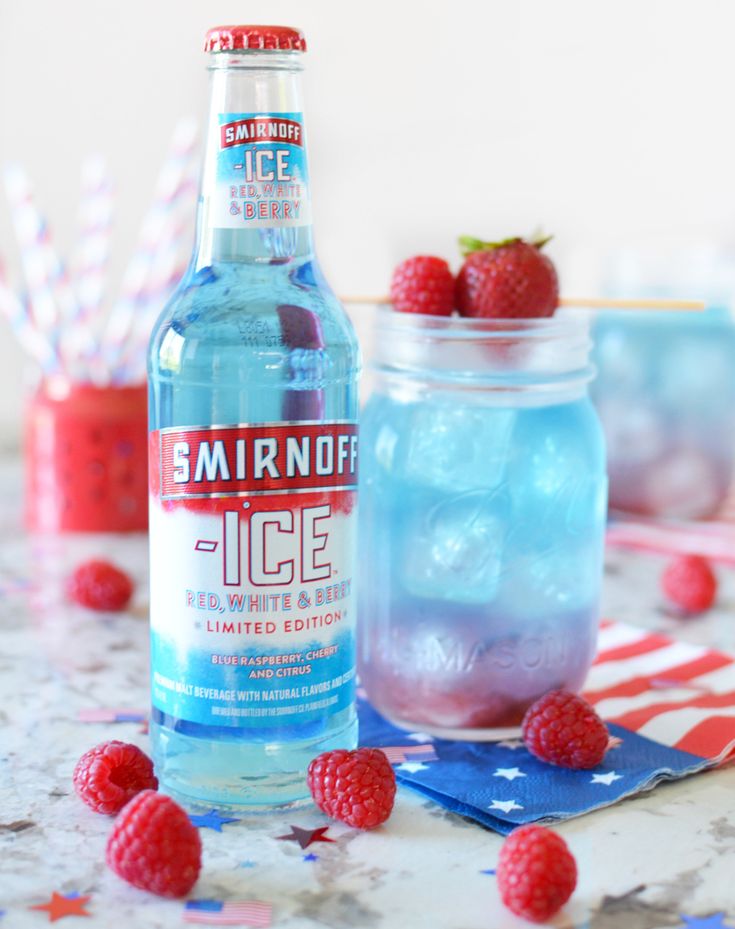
(255, 203)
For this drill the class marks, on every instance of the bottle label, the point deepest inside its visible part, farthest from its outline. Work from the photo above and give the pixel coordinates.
(252, 596)
(262, 179)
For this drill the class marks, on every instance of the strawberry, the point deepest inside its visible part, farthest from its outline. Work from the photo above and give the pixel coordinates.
(509, 279)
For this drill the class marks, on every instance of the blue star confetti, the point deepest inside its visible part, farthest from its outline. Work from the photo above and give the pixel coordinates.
(311, 857)
(490, 871)
(714, 921)
(247, 864)
(212, 820)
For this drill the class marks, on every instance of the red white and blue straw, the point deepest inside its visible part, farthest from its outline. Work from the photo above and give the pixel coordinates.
(154, 241)
(61, 321)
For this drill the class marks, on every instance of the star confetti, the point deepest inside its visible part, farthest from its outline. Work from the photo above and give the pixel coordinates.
(311, 857)
(247, 864)
(306, 836)
(61, 905)
(714, 921)
(488, 871)
(212, 820)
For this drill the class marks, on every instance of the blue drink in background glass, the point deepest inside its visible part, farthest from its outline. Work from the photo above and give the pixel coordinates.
(482, 513)
(665, 387)
(665, 393)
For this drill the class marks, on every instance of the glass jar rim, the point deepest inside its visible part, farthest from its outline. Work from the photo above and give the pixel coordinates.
(548, 355)
(563, 322)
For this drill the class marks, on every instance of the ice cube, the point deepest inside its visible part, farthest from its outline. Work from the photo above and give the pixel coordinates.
(456, 447)
(454, 551)
(561, 579)
(557, 484)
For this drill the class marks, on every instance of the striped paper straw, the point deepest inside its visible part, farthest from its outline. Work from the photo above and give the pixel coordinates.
(50, 295)
(134, 290)
(169, 264)
(30, 338)
(714, 540)
(89, 263)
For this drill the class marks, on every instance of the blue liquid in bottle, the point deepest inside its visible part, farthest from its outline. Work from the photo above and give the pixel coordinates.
(253, 402)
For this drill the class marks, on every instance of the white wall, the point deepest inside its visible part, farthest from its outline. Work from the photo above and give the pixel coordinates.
(427, 118)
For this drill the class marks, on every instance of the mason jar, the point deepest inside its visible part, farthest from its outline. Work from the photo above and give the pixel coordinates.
(665, 393)
(483, 496)
(665, 384)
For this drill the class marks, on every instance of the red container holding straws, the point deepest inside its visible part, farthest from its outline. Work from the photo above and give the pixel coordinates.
(86, 458)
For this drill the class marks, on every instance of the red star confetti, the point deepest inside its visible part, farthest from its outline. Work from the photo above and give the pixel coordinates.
(306, 836)
(61, 905)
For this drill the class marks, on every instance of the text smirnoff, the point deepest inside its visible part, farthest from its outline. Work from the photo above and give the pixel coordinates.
(258, 459)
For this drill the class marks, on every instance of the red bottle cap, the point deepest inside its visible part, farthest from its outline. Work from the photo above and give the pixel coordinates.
(270, 38)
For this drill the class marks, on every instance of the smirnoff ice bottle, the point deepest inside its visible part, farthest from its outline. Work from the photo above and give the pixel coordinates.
(253, 460)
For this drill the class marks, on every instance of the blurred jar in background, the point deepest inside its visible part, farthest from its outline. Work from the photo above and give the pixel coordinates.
(665, 386)
(86, 458)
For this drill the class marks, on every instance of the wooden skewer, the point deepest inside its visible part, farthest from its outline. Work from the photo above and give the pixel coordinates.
(587, 303)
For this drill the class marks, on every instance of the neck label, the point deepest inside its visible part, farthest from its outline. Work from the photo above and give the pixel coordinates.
(262, 177)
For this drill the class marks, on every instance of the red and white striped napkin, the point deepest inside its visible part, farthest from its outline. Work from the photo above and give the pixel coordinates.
(671, 692)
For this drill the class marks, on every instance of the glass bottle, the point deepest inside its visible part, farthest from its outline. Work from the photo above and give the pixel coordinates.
(253, 367)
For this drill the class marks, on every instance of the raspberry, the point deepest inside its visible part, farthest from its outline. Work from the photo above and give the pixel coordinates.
(109, 775)
(690, 584)
(509, 279)
(423, 284)
(536, 873)
(99, 585)
(564, 730)
(358, 787)
(153, 845)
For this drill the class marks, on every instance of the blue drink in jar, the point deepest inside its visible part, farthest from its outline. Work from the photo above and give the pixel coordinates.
(253, 401)
(483, 500)
(665, 393)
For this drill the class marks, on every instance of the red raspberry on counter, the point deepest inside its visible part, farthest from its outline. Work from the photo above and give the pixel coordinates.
(109, 775)
(506, 280)
(563, 729)
(423, 284)
(357, 788)
(154, 846)
(536, 873)
(689, 584)
(99, 585)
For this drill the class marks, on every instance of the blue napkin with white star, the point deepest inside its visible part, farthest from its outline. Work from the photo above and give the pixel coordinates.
(669, 707)
(501, 785)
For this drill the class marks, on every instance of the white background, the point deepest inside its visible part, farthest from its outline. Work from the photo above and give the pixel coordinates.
(606, 123)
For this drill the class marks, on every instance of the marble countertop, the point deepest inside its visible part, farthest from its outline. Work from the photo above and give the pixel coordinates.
(642, 863)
